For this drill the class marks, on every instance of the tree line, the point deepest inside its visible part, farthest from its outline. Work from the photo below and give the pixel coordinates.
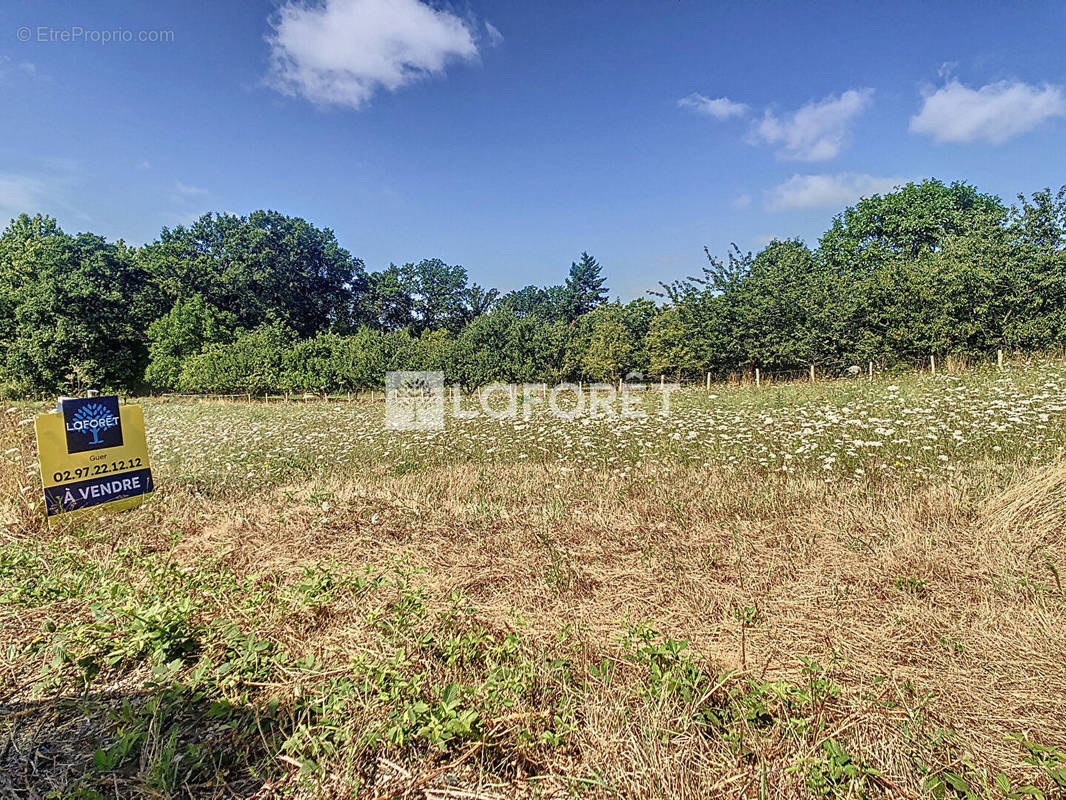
(269, 302)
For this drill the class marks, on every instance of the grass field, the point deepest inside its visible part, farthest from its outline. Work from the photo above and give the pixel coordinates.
(844, 589)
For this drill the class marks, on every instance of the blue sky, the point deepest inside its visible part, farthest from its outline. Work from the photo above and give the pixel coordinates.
(510, 136)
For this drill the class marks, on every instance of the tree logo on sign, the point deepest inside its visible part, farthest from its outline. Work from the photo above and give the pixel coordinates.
(93, 418)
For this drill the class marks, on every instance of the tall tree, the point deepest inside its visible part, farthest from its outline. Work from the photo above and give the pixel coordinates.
(427, 296)
(191, 325)
(477, 301)
(885, 255)
(774, 307)
(671, 344)
(266, 267)
(78, 304)
(1034, 286)
(532, 301)
(439, 295)
(907, 223)
(25, 243)
(1041, 219)
(708, 306)
(612, 347)
(584, 288)
(389, 302)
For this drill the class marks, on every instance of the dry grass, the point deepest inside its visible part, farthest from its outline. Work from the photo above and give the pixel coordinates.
(918, 589)
(933, 611)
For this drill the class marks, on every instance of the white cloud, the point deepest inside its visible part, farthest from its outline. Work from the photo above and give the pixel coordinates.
(186, 204)
(742, 200)
(817, 131)
(11, 69)
(21, 194)
(189, 191)
(495, 37)
(719, 108)
(187, 218)
(827, 191)
(340, 52)
(995, 113)
(46, 192)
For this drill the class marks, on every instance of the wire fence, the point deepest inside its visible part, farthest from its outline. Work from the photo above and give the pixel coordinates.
(746, 375)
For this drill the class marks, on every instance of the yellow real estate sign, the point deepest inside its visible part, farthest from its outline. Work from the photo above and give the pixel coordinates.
(93, 455)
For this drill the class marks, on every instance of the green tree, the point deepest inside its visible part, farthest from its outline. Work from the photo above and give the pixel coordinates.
(584, 289)
(612, 348)
(908, 223)
(71, 302)
(439, 295)
(777, 305)
(672, 345)
(477, 301)
(638, 316)
(532, 301)
(489, 349)
(894, 288)
(429, 295)
(1034, 284)
(709, 307)
(24, 245)
(189, 326)
(254, 362)
(389, 301)
(317, 365)
(263, 268)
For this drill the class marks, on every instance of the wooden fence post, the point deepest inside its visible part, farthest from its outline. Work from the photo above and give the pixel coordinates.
(932, 364)
(708, 381)
(662, 381)
(756, 376)
(871, 370)
(812, 373)
(999, 358)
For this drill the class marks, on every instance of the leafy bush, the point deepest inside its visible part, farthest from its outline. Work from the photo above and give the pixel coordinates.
(252, 363)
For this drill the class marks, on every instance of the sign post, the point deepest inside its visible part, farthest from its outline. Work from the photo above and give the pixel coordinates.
(93, 455)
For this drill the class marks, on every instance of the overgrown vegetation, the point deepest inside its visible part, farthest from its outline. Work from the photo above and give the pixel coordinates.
(270, 303)
(749, 598)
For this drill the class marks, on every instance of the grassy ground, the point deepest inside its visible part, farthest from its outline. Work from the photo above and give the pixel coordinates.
(847, 589)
